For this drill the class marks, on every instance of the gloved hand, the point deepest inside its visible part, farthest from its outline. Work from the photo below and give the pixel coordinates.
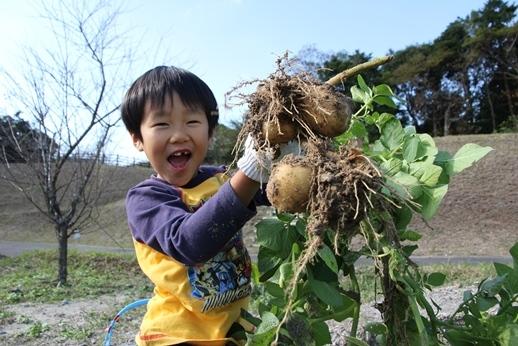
(257, 165)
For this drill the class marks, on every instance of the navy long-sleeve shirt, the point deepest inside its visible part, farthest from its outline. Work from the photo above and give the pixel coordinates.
(163, 217)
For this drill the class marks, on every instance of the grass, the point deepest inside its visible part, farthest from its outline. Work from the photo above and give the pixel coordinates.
(31, 277)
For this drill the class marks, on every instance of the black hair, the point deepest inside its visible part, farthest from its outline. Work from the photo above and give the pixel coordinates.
(156, 85)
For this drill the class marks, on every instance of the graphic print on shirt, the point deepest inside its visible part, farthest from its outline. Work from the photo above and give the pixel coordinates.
(223, 279)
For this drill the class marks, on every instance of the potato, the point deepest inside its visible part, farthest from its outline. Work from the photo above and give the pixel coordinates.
(287, 127)
(327, 112)
(289, 184)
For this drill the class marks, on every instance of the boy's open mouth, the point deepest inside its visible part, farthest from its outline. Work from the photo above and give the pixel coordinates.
(179, 159)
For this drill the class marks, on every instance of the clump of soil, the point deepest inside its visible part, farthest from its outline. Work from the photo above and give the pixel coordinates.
(287, 106)
(342, 190)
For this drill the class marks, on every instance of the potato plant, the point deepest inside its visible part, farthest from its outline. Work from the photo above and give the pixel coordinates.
(366, 184)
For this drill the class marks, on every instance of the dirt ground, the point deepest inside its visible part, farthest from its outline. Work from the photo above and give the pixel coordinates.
(479, 215)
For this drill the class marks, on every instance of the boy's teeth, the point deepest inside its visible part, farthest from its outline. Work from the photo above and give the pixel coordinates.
(181, 153)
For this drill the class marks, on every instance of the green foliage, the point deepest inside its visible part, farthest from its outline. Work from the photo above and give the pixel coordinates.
(490, 315)
(416, 177)
(37, 329)
(222, 144)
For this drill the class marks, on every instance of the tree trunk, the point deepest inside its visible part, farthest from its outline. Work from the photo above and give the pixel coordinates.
(434, 126)
(508, 96)
(446, 129)
(491, 109)
(63, 254)
(468, 97)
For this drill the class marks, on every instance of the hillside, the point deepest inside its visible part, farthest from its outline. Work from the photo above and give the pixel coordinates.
(479, 215)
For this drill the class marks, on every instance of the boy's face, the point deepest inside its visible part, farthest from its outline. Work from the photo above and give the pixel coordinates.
(175, 139)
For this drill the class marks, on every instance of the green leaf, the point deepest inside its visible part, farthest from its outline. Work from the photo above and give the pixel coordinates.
(486, 303)
(514, 253)
(410, 130)
(502, 269)
(345, 310)
(435, 279)
(320, 332)
(430, 200)
(427, 173)
(325, 292)
(492, 286)
(358, 95)
(286, 272)
(410, 182)
(267, 262)
(402, 217)
(391, 167)
(363, 85)
(410, 235)
(265, 332)
(441, 159)
(467, 295)
(427, 147)
(376, 328)
(465, 157)
(285, 217)
(270, 232)
(509, 336)
(392, 134)
(300, 226)
(358, 130)
(409, 249)
(274, 289)
(383, 89)
(329, 257)
(384, 101)
(410, 147)
(378, 148)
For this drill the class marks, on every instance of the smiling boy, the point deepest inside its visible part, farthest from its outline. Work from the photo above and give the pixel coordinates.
(186, 218)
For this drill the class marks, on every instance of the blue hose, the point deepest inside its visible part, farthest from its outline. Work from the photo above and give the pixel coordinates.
(111, 327)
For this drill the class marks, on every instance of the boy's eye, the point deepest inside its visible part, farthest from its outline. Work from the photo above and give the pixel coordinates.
(192, 122)
(159, 124)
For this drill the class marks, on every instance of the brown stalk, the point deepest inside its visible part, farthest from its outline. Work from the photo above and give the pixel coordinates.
(340, 77)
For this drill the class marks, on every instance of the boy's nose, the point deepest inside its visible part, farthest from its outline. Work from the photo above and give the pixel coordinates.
(178, 135)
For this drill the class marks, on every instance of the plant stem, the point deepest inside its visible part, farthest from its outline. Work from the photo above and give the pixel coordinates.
(418, 321)
(356, 289)
(342, 76)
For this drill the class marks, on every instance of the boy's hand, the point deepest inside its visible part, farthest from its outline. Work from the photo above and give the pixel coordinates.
(257, 165)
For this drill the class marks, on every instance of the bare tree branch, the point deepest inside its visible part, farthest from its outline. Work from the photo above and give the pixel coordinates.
(68, 92)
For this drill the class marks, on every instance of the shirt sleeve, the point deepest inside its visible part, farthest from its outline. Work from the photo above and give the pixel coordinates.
(158, 217)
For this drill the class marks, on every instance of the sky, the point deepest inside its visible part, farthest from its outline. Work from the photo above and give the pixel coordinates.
(228, 41)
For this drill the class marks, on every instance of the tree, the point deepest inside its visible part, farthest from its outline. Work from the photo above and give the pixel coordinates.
(492, 43)
(71, 93)
(222, 144)
(16, 136)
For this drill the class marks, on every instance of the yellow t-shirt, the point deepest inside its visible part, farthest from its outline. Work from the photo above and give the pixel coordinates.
(199, 303)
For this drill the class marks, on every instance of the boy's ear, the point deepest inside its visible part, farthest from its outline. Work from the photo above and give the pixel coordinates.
(137, 142)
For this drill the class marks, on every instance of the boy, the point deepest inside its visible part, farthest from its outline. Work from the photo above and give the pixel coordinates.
(186, 219)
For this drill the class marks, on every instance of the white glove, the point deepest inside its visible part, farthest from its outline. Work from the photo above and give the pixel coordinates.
(257, 166)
